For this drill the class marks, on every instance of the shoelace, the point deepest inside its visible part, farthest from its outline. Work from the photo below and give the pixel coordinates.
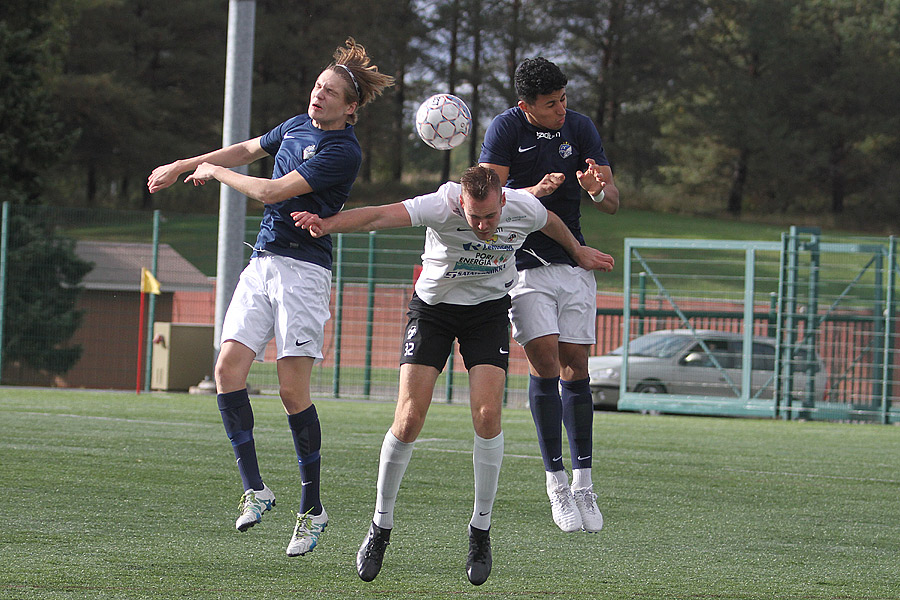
(561, 497)
(248, 500)
(305, 525)
(590, 499)
(376, 546)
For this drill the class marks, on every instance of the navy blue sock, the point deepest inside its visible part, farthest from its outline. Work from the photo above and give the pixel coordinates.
(237, 416)
(307, 434)
(578, 416)
(546, 410)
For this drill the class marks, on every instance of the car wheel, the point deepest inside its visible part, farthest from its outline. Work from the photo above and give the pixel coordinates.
(650, 387)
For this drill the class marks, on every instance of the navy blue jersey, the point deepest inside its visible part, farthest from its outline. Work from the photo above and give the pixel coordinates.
(329, 161)
(530, 153)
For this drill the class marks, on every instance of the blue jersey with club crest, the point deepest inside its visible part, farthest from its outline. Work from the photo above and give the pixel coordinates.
(329, 161)
(530, 153)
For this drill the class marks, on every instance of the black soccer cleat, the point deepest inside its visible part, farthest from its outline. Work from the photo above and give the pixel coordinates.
(371, 553)
(478, 563)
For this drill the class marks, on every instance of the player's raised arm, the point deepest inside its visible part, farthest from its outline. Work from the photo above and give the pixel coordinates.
(236, 155)
(367, 218)
(586, 257)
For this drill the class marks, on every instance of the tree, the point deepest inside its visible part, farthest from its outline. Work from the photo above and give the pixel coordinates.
(31, 134)
(637, 51)
(852, 52)
(42, 269)
(735, 89)
(142, 83)
(43, 276)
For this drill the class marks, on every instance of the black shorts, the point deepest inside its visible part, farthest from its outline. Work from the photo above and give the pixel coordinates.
(482, 331)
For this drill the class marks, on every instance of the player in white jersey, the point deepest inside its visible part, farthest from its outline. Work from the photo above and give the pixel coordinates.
(474, 229)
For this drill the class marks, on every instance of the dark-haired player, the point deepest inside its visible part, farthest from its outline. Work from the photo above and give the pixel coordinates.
(541, 146)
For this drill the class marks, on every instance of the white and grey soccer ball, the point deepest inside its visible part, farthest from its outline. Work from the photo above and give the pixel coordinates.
(443, 121)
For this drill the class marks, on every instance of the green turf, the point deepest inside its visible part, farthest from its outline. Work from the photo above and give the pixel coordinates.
(113, 495)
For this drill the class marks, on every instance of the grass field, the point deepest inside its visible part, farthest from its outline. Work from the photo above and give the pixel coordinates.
(114, 495)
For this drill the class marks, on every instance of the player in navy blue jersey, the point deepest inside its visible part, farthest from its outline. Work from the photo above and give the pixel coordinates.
(553, 152)
(285, 290)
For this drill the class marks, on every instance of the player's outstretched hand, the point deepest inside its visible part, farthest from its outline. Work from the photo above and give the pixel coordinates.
(162, 177)
(591, 180)
(310, 222)
(548, 184)
(594, 260)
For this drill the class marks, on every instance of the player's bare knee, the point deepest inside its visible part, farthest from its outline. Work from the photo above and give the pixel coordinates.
(408, 423)
(486, 420)
(225, 377)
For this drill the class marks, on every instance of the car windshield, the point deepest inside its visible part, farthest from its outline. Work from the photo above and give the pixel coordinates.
(654, 345)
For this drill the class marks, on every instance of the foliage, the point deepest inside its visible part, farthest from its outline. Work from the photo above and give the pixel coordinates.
(42, 270)
(43, 273)
(31, 136)
(760, 106)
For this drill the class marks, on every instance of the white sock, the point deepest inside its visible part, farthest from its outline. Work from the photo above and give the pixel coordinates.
(392, 465)
(487, 456)
(556, 479)
(581, 479)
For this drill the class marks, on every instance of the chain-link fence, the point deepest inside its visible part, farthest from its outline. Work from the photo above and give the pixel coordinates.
(823, 341)
(128, 340)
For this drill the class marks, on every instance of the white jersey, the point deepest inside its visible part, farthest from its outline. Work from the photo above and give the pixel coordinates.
(457, 267)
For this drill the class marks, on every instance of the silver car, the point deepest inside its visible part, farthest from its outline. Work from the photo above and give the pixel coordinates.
(674, 361)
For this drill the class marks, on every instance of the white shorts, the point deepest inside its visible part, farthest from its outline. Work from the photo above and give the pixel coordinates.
(554, 300)
(284, 298)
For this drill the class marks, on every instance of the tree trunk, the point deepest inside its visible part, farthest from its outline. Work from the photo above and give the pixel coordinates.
(838, 178)
(454, 54)
(512, 50)
(399, 100)
(91, 185)
(475, 80)
(738, 179)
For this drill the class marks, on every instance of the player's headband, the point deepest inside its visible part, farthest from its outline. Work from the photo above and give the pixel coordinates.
(353, 79)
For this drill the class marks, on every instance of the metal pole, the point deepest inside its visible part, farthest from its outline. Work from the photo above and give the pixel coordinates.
(889, 342)
(151, 313)
(235, 128)
(370, 316)
(338, 314)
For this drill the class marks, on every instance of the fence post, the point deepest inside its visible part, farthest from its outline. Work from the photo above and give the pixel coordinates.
(370, 315)
(642, 301)
(151, 311)
(4, 240)
(448, 385)
(812, 326)
(888, 349)
(338, 315)
(773, 316)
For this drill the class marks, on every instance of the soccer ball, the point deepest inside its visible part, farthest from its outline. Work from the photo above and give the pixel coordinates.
(443, 121)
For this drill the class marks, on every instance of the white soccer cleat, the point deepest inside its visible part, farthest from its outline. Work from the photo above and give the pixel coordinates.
(253, 504)
(586, 503)
(562, 505)
(306, 533)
